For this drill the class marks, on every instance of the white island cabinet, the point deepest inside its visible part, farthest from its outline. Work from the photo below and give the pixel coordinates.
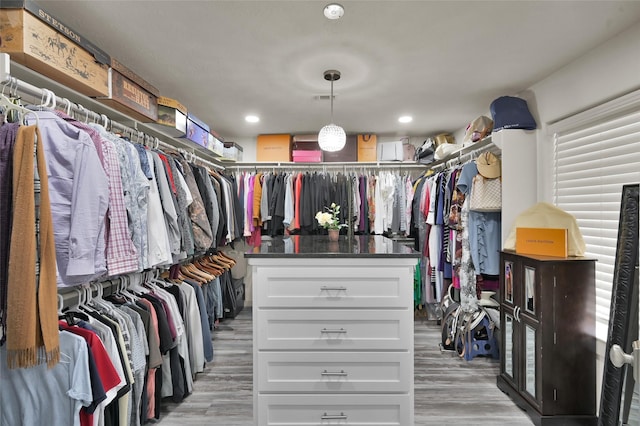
(333, 331)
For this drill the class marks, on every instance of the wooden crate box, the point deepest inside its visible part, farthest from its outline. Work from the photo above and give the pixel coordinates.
(36, 45)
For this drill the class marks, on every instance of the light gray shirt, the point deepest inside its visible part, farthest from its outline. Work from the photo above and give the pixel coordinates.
(41, 396)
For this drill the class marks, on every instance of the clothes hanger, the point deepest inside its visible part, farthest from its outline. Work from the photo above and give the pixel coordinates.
(152, 278)
(191, 271)
(86, 112)
(199, 270)
(67, 106)
(209, 267)
(186, 273)
(74, 312)
(60, 305)
(7, 104)
(51, 96)
(105, 121)
(135, 283)
(114, 296)
(230, 260)
(124, 291)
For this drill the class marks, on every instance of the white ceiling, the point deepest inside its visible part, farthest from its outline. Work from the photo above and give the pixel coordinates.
(442, 62)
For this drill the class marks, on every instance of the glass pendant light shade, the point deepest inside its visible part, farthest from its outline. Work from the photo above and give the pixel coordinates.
(332, 138)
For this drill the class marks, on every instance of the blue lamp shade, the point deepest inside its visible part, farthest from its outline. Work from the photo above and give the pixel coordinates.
(332, 138)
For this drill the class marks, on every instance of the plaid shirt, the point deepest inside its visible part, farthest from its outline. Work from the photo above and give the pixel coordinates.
(122, 255)
(135, 187)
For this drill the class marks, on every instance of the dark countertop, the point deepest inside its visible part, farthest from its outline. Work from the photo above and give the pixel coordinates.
(319, 246)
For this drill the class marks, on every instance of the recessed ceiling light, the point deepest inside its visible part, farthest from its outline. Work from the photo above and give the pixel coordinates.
(252, 119)
(333, 11)
(405, 119)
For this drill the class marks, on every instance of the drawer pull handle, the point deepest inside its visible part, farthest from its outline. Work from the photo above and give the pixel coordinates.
(327, 288)
(334, 373)
(333, 330)
(340, 416)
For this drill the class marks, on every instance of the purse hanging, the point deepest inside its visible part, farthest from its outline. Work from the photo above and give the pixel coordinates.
(486, 194)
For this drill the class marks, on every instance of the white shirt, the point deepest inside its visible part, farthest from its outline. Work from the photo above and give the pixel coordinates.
(159, 247)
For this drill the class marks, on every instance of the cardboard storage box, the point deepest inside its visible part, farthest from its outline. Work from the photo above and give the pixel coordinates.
(348, 153)
(129, 97)
(172, 117)
(307, 156)
(305, 142)
(215, 145)
(197, 131)
(367, 148)
(35, 39)
(276, 147)
(232, 152)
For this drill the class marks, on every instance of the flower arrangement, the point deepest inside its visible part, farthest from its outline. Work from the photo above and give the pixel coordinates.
(329, 219)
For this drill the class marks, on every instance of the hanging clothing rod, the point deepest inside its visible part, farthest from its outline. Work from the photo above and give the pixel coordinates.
(344, 165)
(51, 100)
(465, 154)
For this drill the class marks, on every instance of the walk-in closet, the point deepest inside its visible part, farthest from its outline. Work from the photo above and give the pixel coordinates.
(400, 213)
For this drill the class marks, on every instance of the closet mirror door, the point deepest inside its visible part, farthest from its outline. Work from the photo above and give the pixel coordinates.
(530, 346)
(630, 400)
(508, 346)
(508, 282)
(530, 290)
(617, 381)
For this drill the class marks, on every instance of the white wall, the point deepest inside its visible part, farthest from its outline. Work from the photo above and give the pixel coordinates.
(605, 73)
(248, 148)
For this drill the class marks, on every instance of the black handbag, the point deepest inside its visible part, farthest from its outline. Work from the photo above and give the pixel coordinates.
(426, 151)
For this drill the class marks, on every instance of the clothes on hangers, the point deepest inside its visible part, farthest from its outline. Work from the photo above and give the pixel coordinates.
(198, 205)
(116, 209)
(460, 247)
(287, 202)
(79, 193)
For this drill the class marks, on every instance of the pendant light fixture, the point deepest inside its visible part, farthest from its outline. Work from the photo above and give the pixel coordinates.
(332, 137)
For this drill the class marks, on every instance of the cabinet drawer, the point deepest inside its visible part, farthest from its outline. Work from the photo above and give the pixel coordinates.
(312, 410)
(335, 329)
(335, 372)
(299, 287)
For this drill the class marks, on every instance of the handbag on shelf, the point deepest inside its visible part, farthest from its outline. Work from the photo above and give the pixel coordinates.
(409, 152)
(424, 154)
(486, 194)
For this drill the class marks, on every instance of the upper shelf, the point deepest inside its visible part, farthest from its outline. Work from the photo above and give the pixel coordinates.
(485, 144)
(38, 80)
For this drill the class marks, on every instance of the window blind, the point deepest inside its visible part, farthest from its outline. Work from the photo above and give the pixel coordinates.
(592, 161)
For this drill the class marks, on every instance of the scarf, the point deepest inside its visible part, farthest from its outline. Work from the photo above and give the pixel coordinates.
(8, 132)
(32, 318)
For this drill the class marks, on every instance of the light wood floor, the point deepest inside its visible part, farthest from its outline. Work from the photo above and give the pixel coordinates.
(448, 389)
